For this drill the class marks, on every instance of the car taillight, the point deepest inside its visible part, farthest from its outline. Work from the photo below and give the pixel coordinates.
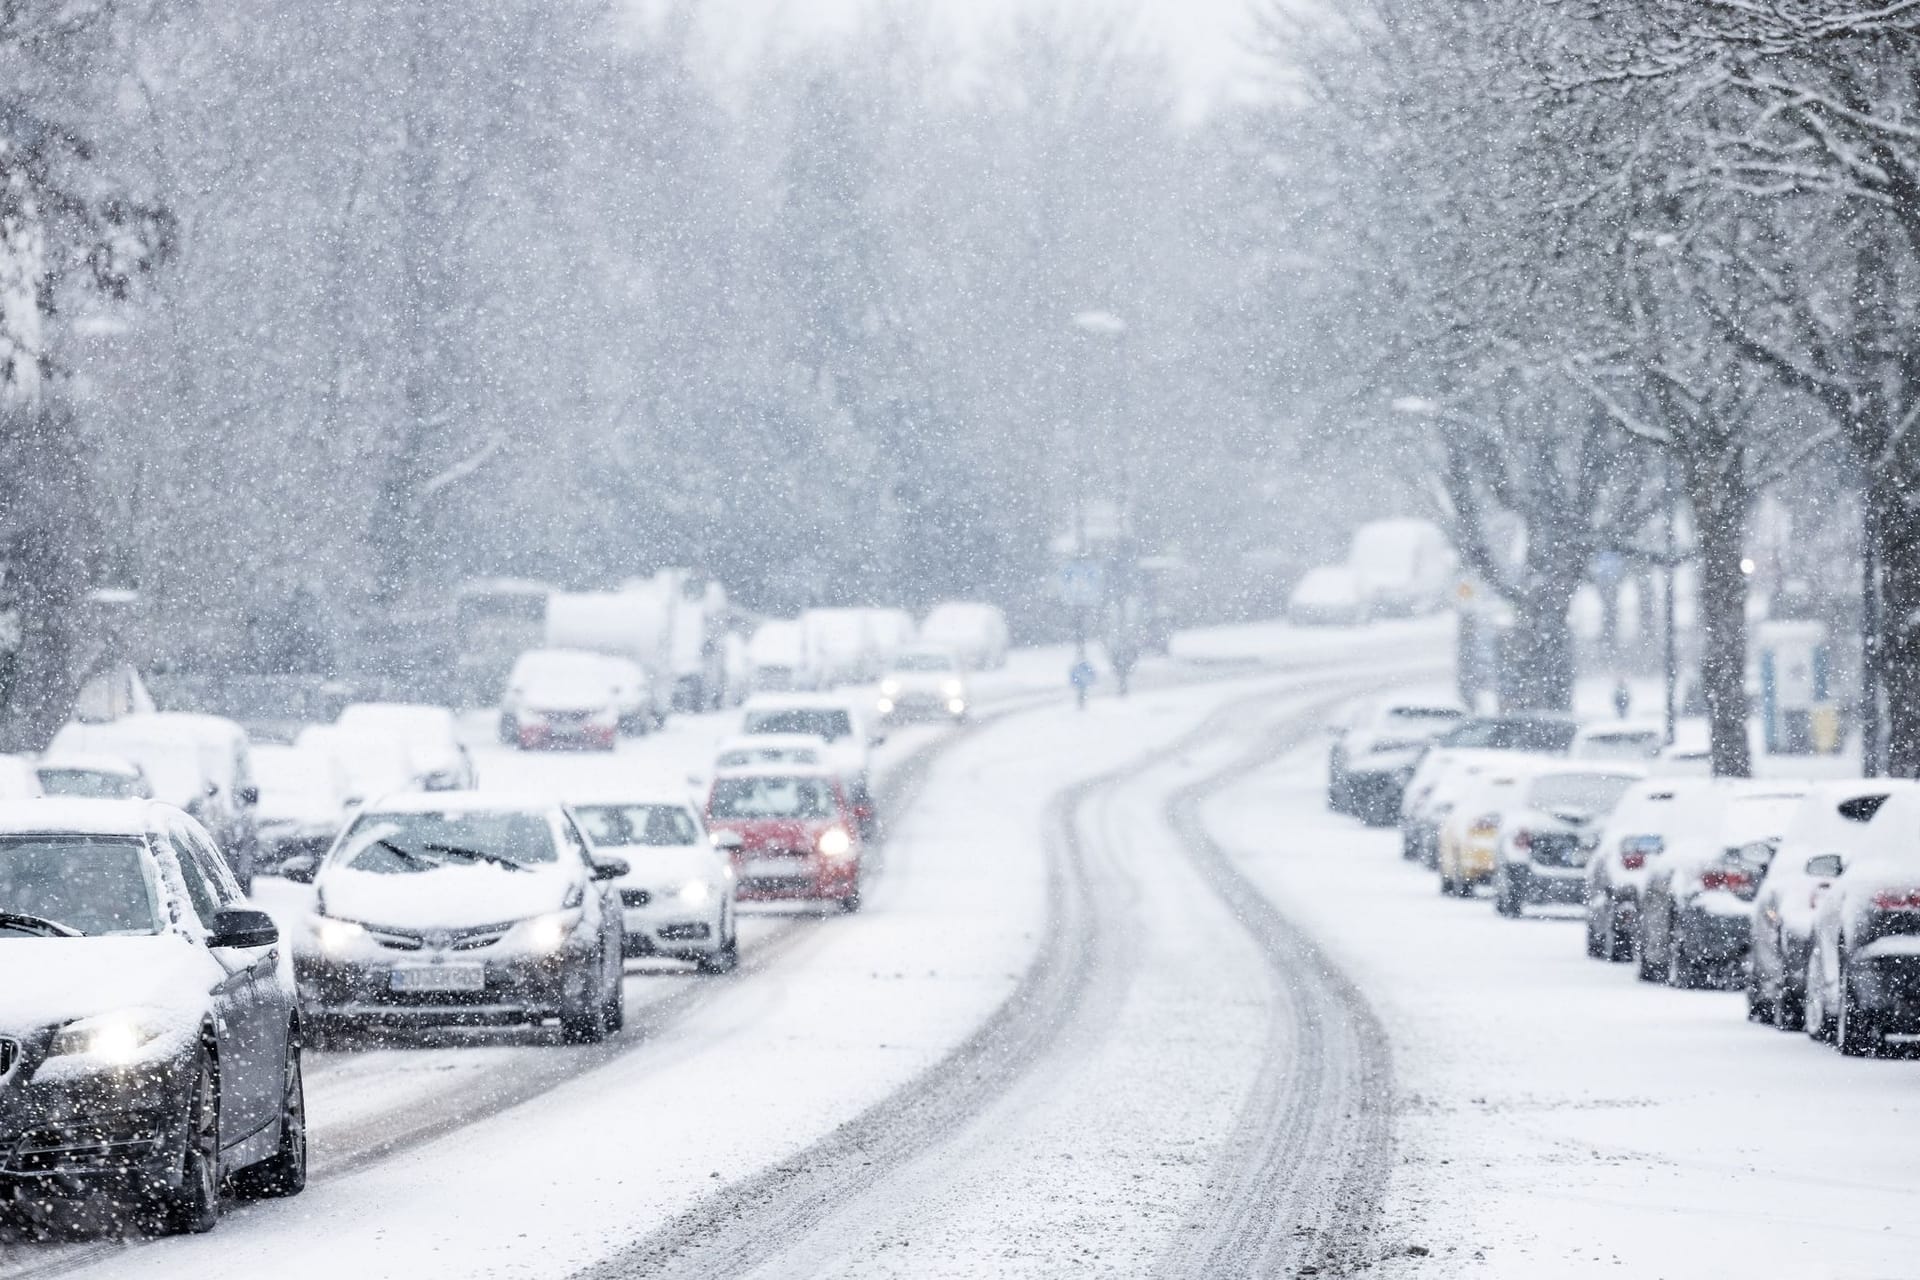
(1897, 900)
(1635, 850)
(1484, 825)
(1735, 881)
(1523, 839)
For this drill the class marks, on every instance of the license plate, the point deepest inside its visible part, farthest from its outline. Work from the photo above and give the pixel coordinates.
(440, 977)
(773, 868)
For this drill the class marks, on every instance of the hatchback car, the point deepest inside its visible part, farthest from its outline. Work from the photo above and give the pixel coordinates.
(568, 698)
(677, 898)
(1470, 831)
(1647, 816)
(794, 834)
(1547, 837)
(923, 683)
(464, 908)
(149, 1034)
(841, 723)
(1863, 959)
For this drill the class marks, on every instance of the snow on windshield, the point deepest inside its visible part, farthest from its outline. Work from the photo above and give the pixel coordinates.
(95, 884)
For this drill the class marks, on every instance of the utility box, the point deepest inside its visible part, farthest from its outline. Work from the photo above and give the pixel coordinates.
(1798, 713)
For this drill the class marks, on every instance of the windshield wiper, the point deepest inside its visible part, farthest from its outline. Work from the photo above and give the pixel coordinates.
(477, 855)
(408, 854)
(20, 922)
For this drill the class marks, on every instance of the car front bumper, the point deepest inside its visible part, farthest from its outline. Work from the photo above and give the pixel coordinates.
(1545, 885)
(534, 733)
(661, 926)
(797, 879)
(119, 1130)
(1714, 931)
(515, 989)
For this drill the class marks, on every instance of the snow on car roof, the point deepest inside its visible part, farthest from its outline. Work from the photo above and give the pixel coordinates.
(463, 802)
(770, 742)
(612, 797)
(777, 769)
(82, 817)
(777, 701)
(150, 726)
(1556, 766)
(91, 762)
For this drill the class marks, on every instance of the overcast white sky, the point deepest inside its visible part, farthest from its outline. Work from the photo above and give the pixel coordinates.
(1201, 36)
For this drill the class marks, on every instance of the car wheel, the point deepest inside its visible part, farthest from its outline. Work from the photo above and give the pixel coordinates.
(285, 1172)
(1645, 966)
(1760, 1005)
(1683, 973)
(584, 1019)
(723, 960)
(615, 1010)
(1856, 1032)
(1819, 1021)
(1789, 1013)
(850, 903)
(1506, 900)
(194, 1206)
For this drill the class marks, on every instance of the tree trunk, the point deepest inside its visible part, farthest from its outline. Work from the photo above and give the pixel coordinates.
(1720, 505)
(1536, 662)
(1899, 648)
(46, 537)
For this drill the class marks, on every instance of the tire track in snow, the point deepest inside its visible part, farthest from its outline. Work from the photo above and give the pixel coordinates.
(1084, 966)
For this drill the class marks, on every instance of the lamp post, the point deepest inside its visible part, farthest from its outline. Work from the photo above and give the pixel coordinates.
(1099, 325)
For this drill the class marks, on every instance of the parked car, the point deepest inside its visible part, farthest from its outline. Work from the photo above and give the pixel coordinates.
(149, 1034)
(1440, 801)
(1330, 596)
(923, 683)
(202, 764)
(1466, 851)
(975, 631)
(677, 898)
(1373, 758)
(464, 908)
(1695, 916)
(841, 723)
(1863, 960)
(93, 777)
(19, 780)
(304, 798)
(1618, 740)
(1648, 815)
(429, 733)
(795, 834)
(564, 698)
(1831, 820)
(1547, 837)
(1534, 733)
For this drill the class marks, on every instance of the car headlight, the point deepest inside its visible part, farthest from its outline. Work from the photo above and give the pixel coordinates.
(891, 688)
(116, 1038)
(834, 842)
(336, 936)
(884, 706)
(952, 688)
(548, 933)
(695, 893)
(956, 706)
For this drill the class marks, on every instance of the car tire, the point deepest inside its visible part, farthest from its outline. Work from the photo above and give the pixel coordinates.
(1597, 943)
(1856, 1032)
(1760, 1006)
(1506, 899)
(724, 959)
(1684, 973)
(586, 1021)
(193, 1207)
(850, 903)
(1409, 847)
(1818, 1019)
(1645, 967)
(1789, 1013)
(285, 1172)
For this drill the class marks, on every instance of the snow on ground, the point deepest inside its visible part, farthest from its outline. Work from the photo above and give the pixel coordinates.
(1558, 1117)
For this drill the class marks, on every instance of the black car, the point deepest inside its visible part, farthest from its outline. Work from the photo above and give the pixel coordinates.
(149, 1033)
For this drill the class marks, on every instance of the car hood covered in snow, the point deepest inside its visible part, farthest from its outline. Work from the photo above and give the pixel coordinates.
(665, 867)
(47, 981)
(456, 896)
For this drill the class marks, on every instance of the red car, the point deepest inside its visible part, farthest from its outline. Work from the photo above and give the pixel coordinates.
(792, 833)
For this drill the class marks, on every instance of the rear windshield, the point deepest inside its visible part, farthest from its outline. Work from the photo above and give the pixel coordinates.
(1579, 794)
(819, 722)
(96, 884)
(90, 784)
(626, 825)
(404, 843)
(1622, 746)
(773, 798)
(1549, 737)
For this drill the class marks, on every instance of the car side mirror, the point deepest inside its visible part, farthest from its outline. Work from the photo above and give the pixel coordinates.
(1826, 866)
(605, 868)
(300, 868)
(876, 739)
(242, 927)
(728, 841)
(249, 795)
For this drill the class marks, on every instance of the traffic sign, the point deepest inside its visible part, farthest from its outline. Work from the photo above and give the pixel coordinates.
(1080, 583)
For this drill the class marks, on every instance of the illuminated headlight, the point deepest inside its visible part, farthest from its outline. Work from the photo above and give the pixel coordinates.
(834, 842)
(952, 688)
(884, 706)
(956, 706)
(336, 936)
(890, 688)
(547, 934)
(114, 1038)
(695, 893)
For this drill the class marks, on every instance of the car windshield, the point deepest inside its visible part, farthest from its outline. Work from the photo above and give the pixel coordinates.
(820, 722)
(773, 797)
(95, 884)
(628, 825)
(1622, 746)
(404, 843)
(923, 662)
(1584, 794)
(89, 784)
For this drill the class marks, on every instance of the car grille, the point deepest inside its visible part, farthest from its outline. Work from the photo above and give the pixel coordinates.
(635, 897)
(471, 939)
(686, 932)
(565, 717)
(87, 1145)
(1558, 851)
(777, 884)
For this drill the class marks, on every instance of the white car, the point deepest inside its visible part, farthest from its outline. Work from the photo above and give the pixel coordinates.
(1330, 596)
(1373, 758)
(1863, 962)
(94, 777)
(428, 733)
(923, 682)
(19, 780)
(840, 722)
(974, 630)
(1547, 837)
(568, 697)
(677, 898)
(1651, 813)
(464, 908)
(305, 794)
(1619, 740)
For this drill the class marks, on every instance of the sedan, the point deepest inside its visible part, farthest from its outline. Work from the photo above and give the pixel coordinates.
(677, 899)
(463, 908)
(149, 1034)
